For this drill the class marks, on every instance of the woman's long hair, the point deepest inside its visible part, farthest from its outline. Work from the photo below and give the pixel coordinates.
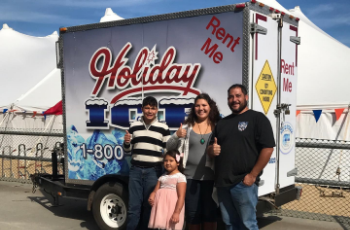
(173, 153)
(214, 114)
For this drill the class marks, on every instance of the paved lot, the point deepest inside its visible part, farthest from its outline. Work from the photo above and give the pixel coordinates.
(22, 210)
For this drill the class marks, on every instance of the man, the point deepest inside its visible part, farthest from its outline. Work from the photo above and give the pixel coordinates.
(242, 144)
(146, 139)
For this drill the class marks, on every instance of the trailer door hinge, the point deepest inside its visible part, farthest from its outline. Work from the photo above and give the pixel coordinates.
(295, 40)
(255, 28)
(292, 172)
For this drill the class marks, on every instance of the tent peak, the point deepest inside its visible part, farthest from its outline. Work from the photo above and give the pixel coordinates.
(5, 26)
(54, 34)
(110, 16)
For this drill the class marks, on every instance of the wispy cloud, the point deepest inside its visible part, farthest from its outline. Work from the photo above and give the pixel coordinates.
(37, 17)
(332, 21)
(93, 3)
(319, 9)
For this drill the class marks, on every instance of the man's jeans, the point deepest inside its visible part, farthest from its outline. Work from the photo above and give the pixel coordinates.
(237, 205)
(141, 184)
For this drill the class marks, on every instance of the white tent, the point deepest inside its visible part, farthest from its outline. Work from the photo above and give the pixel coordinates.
(322, 85)
(110, 16)
(322, 70)
(30, 81)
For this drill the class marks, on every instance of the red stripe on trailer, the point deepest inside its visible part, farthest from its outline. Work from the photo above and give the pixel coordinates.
(263, 18)
(296, 46)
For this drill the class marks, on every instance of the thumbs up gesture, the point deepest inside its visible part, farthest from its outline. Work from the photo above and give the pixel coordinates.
(216, 147)
(181, 133)
(127, 137)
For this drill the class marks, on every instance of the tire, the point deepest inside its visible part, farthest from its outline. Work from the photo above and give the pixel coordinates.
(109, 206)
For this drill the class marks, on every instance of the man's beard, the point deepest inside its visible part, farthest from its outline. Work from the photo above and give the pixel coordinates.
(240, 108)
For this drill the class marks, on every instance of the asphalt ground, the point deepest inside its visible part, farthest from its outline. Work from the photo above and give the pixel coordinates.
(20, 209)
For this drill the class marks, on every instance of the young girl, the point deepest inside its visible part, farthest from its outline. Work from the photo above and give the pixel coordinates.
(168, 198)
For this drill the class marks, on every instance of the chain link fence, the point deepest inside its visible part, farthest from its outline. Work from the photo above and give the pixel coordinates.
(24, 152)
(324, 174)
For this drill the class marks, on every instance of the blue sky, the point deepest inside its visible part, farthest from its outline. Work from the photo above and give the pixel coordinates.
(42, 17)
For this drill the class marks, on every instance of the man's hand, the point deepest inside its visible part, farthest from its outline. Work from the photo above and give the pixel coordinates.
(216, 148)
(181, 133)
(175, 218)
(249, 179)
(127, 137)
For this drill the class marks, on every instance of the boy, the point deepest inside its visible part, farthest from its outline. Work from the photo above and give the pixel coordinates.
(147, 140)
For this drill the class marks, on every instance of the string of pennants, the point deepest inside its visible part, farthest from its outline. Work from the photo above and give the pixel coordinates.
(318, 112)
(15, 112)
(55, 110)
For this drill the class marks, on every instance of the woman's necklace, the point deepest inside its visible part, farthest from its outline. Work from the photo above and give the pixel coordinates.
(202, 141)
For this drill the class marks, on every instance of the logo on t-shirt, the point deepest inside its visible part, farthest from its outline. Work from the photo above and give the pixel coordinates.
(287, 138)
(242, 125)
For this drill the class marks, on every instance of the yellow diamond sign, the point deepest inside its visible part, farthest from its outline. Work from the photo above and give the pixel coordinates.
(266, 87)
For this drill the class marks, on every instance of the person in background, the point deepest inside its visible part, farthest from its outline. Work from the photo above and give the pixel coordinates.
(192, 140)
(168, 198)
(242, 144)
(146, 139)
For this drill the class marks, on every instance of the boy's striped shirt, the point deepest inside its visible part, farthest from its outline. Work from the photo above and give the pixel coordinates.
(147, 145)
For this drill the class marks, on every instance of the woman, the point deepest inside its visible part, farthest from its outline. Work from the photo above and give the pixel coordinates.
(192, 140)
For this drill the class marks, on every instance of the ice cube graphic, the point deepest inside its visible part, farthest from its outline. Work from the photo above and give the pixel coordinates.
(75, 153)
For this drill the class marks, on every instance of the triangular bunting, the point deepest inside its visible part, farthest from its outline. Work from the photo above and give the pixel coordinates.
(298, 112)
(317, 114)
(338, 113)
(34, 113)
(44, 115)
(5, 110)
(55, 110)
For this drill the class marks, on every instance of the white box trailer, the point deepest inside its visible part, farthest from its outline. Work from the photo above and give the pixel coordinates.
(107, 68)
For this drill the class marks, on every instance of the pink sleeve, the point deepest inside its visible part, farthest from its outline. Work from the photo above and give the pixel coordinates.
(181, 179)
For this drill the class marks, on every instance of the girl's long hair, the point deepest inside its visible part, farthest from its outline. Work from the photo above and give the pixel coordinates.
(173, 153)
(214, 114)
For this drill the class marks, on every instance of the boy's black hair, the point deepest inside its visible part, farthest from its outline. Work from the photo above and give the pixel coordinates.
(151, 101)
(173, 154)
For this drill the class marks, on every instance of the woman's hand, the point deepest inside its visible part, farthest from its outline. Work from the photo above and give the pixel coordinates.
(181, 133)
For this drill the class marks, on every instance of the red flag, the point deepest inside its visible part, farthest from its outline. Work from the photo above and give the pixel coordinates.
(298, 111)
(55, 110)
(338, 113)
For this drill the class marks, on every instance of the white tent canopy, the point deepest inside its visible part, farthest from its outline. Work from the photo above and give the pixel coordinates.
(25, 61)
(110, 16)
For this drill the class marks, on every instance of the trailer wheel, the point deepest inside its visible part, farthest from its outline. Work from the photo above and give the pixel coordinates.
(109, 207)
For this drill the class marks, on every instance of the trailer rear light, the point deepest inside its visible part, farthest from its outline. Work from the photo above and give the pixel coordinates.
(261, 4)
(59, 193)
(63, 29)
(272, 9)
(297, 19)
(242, 5)
(277, 11)
(253, 1)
